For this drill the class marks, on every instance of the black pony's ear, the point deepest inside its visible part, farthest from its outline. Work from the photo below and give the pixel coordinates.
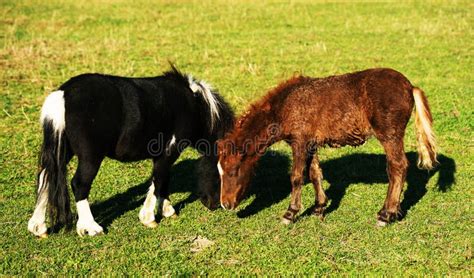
(173, 67)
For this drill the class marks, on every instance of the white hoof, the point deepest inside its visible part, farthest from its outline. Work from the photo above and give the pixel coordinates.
(89, 228)
(381, 223)
(37, 228)
(147, 217)
(147, 212)
(151, 225)
(166, 209)
(43, 236)
(285, 221)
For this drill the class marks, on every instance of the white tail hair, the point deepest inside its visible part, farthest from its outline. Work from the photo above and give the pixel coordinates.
(54, 110)
(426, 141)
(206, 90)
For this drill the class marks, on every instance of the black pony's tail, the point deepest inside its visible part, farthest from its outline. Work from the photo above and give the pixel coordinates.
(53, 160)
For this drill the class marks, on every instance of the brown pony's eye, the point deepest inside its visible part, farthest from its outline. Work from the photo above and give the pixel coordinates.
(233, 173)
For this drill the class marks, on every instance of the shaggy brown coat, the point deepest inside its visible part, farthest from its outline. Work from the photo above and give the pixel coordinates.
(310, 113)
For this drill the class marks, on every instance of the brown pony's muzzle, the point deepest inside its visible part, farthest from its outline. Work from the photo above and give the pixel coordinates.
(228, 204)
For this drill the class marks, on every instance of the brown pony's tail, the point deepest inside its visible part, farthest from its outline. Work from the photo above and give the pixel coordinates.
(426, 142)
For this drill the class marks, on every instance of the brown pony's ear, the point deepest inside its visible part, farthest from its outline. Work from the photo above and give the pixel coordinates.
(220, 145)
(240, 121)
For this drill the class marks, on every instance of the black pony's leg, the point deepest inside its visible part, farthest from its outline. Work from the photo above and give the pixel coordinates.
(161, 179)
(81, 185)
(159, 191)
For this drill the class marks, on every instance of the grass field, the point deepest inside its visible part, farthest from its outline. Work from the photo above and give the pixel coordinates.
(243, 49)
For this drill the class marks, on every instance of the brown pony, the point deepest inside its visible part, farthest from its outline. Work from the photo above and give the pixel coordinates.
(310, 113)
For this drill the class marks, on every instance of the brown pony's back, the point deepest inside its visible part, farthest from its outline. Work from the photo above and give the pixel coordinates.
(347, 109)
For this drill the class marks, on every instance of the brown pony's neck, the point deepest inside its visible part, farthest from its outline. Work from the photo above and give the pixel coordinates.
(254, 135)
(260, 127)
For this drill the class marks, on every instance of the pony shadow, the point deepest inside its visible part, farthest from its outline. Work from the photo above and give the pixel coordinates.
(272, 182)
(272, 177)
(371, 168)
(182, 181)
(270, 185)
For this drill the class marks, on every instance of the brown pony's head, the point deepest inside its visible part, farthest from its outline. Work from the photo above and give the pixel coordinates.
(235, 169)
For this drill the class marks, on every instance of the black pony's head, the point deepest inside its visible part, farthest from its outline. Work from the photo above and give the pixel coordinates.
(214, 118)
(207, 172)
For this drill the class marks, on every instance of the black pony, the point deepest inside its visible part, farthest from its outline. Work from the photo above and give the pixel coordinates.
(95, 116)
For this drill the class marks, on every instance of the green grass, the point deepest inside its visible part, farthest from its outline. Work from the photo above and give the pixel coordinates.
(244, 49)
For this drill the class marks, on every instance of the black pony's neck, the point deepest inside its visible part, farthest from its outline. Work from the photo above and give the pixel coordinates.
(211, 133)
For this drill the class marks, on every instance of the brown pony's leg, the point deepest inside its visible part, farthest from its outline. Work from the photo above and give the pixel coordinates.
(316, 176)
(397, 165)
(299, 161)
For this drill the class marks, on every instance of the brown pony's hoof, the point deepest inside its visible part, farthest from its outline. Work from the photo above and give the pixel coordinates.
(381, 223)
(319, 212)
(385, 217)
(285, 221)
(319, 216)
(289, 216)
(152, 224)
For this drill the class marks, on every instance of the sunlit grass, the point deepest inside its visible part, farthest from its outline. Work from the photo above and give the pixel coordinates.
(243, 49)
